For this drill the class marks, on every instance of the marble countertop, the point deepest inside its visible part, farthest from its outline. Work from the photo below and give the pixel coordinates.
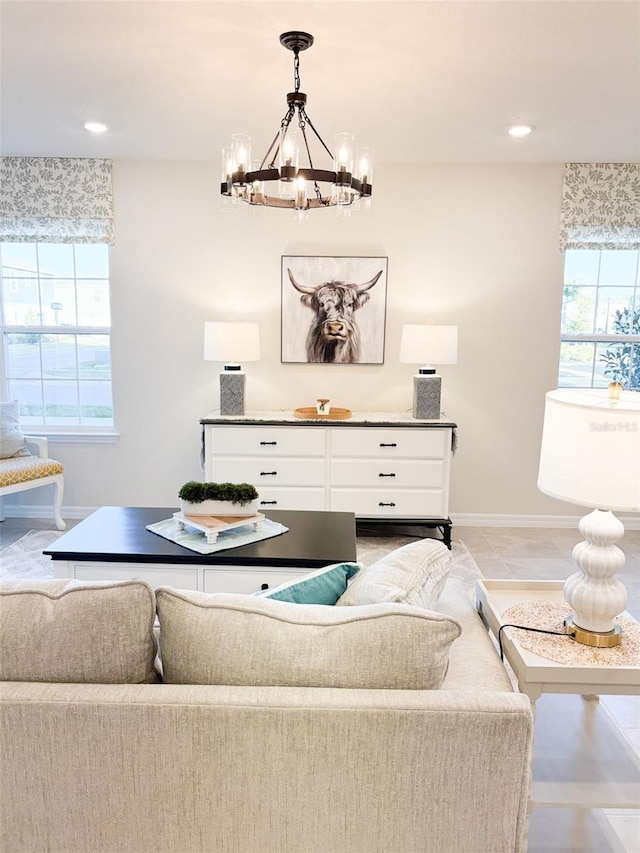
(286, 416)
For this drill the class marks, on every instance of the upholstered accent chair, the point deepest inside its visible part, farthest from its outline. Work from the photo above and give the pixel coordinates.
(18, 473)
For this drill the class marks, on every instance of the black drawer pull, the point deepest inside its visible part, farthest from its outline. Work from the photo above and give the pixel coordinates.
(268, 503)
(268, 473)
(264, 586)
(383, 504)
(270, 443)
(393, 444)
(386, 475)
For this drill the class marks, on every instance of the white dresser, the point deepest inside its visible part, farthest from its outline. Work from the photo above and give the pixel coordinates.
(380, 466)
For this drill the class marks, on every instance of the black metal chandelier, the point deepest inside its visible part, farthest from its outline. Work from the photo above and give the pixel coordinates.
(296, 186)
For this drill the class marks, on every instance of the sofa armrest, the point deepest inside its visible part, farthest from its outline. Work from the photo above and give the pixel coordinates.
(40, 443)
(474, 663)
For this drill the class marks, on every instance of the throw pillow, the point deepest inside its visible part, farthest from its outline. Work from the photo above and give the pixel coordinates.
(77, 631)
(12, 440)
(323, 586)
(225, 638)
(414, 574)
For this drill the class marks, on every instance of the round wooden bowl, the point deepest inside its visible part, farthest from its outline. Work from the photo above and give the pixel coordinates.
(310, 413)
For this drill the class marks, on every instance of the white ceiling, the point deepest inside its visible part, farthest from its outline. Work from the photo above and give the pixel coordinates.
(431, 81)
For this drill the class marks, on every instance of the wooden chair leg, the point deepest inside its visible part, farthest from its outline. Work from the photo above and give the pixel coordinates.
(57, 504)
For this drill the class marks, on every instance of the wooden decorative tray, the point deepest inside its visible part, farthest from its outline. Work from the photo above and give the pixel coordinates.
(211, 525)
(310, 413)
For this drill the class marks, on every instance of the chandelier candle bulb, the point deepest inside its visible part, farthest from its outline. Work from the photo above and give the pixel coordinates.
(301, 195)
(242, 146)
(257, 187)
(364, 159)
(343, 163)
(228, 168)
(289, 153)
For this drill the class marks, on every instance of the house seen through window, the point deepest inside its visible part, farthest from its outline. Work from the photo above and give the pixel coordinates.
(600, 331)
(56, 324)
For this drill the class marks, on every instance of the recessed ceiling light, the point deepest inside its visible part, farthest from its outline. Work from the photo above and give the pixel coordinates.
(95, 126)
(519, 130)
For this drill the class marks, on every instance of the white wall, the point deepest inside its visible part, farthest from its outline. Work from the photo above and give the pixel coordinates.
(472, 245)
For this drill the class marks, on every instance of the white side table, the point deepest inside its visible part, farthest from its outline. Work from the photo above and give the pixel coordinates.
(537, 675)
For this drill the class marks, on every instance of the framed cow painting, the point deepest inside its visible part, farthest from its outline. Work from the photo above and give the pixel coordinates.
(333, 309)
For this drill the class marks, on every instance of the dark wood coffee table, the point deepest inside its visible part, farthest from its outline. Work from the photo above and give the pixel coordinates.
(113, 544)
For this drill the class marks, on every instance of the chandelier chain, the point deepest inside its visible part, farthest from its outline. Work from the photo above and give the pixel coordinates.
(296, 70)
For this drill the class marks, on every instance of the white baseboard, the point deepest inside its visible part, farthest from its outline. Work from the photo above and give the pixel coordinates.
(472, 519)
(45, 511)
(459, 519)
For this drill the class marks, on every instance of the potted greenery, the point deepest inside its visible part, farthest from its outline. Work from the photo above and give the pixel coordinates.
(218, 499)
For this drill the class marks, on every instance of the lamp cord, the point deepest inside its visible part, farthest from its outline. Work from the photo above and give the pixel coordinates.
(568, 634)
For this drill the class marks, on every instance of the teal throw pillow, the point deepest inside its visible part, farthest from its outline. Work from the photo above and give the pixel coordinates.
(323, 586)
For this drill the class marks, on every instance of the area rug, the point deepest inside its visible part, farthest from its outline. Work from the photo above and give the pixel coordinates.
(24, 559)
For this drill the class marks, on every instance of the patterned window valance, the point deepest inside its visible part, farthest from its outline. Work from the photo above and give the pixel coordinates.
(55, 200)
(600, 206)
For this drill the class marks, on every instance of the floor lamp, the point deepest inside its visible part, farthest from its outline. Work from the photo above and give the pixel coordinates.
(232, 343)
(590, 456)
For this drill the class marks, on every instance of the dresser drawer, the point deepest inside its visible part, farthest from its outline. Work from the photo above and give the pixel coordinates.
(390, 443)
(390, 503)
(307, 499)
(268, 441)
(387, 473)
(269, 472)
(245, 582)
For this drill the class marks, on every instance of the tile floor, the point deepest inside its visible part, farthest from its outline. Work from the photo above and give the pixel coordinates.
(575, 739)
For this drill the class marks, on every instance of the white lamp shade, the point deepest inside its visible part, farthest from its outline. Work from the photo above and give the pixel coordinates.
(590, 454)
(231, 342)
(429, 345)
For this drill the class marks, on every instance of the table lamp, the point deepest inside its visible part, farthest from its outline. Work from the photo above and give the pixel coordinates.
(232, 343)
(590, 456)
(428, 345)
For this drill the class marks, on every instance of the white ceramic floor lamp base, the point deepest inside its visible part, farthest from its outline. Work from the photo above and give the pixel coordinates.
(593, 592)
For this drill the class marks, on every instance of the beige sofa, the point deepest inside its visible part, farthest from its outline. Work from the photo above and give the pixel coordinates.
(254, 768)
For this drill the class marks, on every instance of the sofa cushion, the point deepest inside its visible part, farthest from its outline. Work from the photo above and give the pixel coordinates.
(12, 440)
(413, 574)
(77, 631)
(22, 469)
(323, 586)
(225, 638)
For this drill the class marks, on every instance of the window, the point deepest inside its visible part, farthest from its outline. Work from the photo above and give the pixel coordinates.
(600, 331)
(55, 317)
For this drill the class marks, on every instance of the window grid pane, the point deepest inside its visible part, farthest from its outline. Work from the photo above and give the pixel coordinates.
(601, 296)
(61, 378)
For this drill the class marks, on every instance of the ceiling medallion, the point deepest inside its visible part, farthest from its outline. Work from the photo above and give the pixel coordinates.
(293, 185)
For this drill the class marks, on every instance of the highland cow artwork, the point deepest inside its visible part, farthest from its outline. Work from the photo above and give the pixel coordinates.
(333, 309)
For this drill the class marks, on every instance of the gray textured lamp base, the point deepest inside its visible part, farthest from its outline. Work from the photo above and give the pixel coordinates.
(232, 393)
(426, 396)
